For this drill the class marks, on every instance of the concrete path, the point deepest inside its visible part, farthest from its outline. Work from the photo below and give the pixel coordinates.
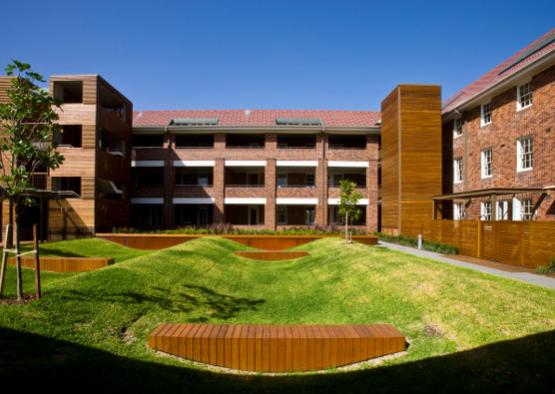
(526, 277)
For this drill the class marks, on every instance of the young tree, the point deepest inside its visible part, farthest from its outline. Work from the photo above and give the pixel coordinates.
(348, 203)
(27, 123)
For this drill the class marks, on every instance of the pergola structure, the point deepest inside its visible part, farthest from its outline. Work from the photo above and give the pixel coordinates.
(492, 193)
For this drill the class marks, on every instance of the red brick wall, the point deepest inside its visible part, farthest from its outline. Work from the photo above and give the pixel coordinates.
(270, 153)
(507, 126)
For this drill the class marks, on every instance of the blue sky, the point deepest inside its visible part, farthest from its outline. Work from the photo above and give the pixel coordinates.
(270, 54)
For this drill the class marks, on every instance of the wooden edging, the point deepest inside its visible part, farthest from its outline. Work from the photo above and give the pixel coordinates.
(277, 348)
(265, 242)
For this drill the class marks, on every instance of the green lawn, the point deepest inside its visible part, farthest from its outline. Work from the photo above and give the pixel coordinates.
(466, 330)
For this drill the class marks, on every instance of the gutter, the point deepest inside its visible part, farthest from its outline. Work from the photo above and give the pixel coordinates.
(500, 85)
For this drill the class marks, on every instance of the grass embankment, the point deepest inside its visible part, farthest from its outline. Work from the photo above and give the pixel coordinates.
(88, 247)
(466, 329)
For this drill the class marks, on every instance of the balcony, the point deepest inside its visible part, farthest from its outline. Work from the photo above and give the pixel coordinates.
(114, 119)
(245, 141)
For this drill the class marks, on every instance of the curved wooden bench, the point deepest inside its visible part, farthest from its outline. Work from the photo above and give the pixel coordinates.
(65, 264)
(271, 348)
(271, 255)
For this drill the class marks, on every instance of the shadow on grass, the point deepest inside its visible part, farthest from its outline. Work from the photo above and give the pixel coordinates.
(521, 365)
(192, 298)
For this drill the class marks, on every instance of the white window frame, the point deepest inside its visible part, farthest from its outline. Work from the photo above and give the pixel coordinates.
(457, 128)
(457, 171)
(458, 210)
(525, 97)
(309, 219)
(520, 158)
(486, 211)
(502, 209)
(486, 163)
(486, 118)
(526, 209)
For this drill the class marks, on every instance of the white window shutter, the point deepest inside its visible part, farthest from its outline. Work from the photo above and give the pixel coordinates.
(517, 214)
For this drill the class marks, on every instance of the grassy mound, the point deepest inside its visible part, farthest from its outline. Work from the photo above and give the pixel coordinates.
(92, 327)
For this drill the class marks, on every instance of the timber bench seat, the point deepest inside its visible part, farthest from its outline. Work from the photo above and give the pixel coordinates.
(277, 348)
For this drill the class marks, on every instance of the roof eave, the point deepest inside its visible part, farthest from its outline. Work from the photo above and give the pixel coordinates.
(542, 62)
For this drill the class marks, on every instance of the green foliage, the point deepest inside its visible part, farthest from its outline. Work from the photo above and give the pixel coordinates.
(28, 121)
(348, 200)
(228, 229)
(547, 269)
(413, 242)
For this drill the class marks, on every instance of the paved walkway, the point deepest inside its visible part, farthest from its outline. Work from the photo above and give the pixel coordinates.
(527, 277)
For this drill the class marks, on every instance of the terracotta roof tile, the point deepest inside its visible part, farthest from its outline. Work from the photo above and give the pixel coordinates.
(501, 72)
(255, 117)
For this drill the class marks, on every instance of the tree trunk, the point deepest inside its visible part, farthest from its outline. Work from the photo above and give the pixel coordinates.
(18, 257)
(10, 222)
(38, 292)
(5, 255)
(347, 227)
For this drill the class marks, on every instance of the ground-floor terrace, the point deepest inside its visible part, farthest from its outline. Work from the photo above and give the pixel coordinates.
(150, 213)
(498, 204)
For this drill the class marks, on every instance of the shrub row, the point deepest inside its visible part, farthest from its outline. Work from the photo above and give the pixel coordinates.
(219, 229)
(426, 245)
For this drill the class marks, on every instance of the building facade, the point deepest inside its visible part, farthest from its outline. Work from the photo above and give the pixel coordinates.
(499, 140)
(488, 153)
(262, 169)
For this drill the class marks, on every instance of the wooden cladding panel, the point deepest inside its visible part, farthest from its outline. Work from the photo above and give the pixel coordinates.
(65, 264)
(527, 244)
(411, 154)
(5, 84)
(269, 348)
(390, 162)
(420, 150)
(77, 114)
(70, 217)
(78, 162)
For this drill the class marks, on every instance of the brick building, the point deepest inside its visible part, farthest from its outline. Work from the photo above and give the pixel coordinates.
(270, 169)
(259, 168)
(499, 140)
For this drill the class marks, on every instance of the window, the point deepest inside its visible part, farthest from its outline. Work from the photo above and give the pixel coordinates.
(457, 128)
(526, 209)
(309, 215)
(194, 141)
(524, 154)
(67, 184)
(281, 215)
(502, 210)
(148, 140)
(458, 170)
(485, 115)
(68, 92)
(69, 136)
(282, 180)
(524, 96)
(310, 180)
(487, 166)
(485, 210)
(458, 210)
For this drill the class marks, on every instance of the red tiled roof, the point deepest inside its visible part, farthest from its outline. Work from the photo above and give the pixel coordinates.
(239, 118)
(500, 73)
